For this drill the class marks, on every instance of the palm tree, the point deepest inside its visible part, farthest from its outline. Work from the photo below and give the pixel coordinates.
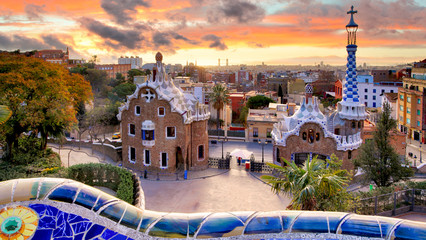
(219, 97)
(5, 114)
(317, 185)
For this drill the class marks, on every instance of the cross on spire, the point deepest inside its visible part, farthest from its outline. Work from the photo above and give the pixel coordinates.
(352, 12)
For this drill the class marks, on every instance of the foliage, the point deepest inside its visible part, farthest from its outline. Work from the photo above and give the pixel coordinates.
(105, 175)
(317, 185)
(99, 81)
(28, 161)
(134, 72)
(5, 114)
(42, 96)
(219, 97)
(395, 187)
(330, 101)
(120, 92)
(243, 115)
(258, 101)
(102, 116)
(378, 159)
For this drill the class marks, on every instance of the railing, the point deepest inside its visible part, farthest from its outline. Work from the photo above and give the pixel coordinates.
(237, 133)
(392, 204)
(213, 132)
(220, 163)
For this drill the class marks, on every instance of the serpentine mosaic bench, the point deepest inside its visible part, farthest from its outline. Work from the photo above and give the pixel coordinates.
(61, 209)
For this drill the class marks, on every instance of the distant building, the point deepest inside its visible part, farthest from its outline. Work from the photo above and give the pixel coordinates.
(412, 105)
(75, 62)
(371, 92)
(135, 62)
(380, 76)
(162, 128)
(338, 88)
(53, 56)
(392, 100)
(113, 69)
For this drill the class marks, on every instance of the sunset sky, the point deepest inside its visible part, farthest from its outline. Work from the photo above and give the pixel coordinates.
(244, 31)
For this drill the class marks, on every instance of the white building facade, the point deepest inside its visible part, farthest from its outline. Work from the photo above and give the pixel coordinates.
(371, 93)
(136, 62)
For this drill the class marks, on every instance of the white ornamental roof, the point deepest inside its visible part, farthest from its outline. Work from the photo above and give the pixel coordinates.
(183, 103)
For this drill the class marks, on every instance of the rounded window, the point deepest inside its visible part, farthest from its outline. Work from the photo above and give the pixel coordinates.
(311, 136)
(317, 136)
(353, 124)
(304, 135)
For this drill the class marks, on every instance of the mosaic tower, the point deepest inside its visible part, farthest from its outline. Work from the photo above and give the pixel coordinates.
(350, 107)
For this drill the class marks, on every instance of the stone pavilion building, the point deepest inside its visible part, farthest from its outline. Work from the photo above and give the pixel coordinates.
(163, 128)
(309, 132)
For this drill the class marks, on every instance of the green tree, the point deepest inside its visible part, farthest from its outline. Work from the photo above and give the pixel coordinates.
(42, 96)
(5, 114)
(378, 159)
(280, 93)
(219, 97)
(258, 101)
(120, 92)
(317, 185)
(134, 72)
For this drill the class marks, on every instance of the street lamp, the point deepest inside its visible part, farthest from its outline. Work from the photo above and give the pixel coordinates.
(263, 143)
(223, 140)
(415, 160)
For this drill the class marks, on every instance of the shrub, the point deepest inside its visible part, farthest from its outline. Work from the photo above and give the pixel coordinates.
(105, 175)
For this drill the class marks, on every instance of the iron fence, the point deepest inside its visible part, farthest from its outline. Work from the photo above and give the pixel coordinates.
(392, 204)
(219, 163)
(260, 167)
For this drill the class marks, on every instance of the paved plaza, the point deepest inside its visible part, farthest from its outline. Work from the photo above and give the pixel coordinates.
(215, 150)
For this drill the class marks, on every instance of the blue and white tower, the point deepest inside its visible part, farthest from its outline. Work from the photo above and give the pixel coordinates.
(350, 107)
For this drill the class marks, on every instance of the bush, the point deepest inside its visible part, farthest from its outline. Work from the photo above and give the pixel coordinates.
(105, 175)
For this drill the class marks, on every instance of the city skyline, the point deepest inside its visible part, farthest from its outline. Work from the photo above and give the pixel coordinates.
(245, 32)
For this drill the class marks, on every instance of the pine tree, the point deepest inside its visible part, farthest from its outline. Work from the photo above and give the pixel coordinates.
(378, 159)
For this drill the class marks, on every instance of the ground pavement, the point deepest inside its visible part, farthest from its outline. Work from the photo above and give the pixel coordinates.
(215, 150)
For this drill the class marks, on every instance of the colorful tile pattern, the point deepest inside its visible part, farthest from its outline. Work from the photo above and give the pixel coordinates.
(39, 216)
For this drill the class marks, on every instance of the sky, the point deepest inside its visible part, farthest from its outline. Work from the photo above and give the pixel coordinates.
(244, 31)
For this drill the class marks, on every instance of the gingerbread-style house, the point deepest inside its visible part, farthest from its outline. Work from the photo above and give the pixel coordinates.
(163, 128)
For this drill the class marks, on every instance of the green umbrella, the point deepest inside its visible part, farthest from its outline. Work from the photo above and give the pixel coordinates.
(5, 114)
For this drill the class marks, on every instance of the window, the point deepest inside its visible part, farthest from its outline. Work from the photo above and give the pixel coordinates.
(255, 132)
(409, 99)
(408, 110)
(374, 104)
(359, 124)
(391, 91)
(366, 90)
(337, 131)
(401, 97)
(418, 101)
(161, 112)
(201, 152)
(147, 157)
(317, 136)
(408, 121)
(148, 135)
(353, 124)
(374, 97)
(418, 123)
(138, 110)
(311, 136)
(374, 90)
(132, 154)
(349, 154)
(304, 136)
(401, 118)
(163, 160)
(268, 132)
(418, 112)
(401, 108)
(132, 129)
(171, 132)
(365, 97)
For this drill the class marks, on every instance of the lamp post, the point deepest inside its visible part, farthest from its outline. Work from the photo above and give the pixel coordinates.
(415, 161)
(420, 150)
(223, 140)
(263, 143)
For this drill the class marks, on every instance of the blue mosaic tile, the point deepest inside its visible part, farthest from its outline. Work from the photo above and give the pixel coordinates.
(64, 193)
(72, 218)
(43, 234)
(119, 237)
(87, 198)
(313, 222)
(334, 219)
(108, 234)
(194, 221)
(63, 228)
(103, 199)
(46, 186)
(43, 210)
(81, 226)
(363, 226)
(221, 225)
(94, 231)
(243, 215)
(79, 236)
(132, 217)
(287, 218)
(63, 238)
(148, 218)
(47, 222)
(114, 211)
(409, 230)
(171, 226)
(264, 223)
(387, 224)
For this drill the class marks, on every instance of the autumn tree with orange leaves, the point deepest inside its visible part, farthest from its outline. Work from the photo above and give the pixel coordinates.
(42, 96)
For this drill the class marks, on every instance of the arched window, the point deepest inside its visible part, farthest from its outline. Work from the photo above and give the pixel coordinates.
(304, 135)
(317, 136)
(359, 124)
(353, 124)
(311, 136)
(349, 154)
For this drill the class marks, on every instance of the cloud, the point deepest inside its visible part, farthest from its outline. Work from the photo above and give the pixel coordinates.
(216, 42)
(239, 11)
(115, 37)
(165, 38)
(256, 45)
(121, 10)
(34, 12)
(16, 41)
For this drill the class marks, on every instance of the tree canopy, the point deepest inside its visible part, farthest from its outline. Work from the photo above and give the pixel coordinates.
(42, 96)
(258, 101)
(377, 158)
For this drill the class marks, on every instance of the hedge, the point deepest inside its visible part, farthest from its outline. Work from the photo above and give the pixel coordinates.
(105, 175)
